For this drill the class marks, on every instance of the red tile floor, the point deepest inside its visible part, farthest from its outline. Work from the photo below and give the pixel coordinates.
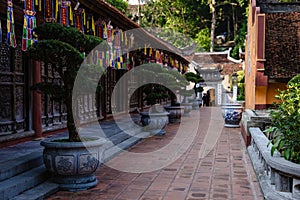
(214, 166)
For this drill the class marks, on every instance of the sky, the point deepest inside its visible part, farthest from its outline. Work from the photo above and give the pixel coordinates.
(134, 1)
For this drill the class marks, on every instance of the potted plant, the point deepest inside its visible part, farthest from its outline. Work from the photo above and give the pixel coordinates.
(188, 107)
(232, 111)
(175, 82)
(241, 88)
(71, 160)
(198, 89)
(156, 119)
(285, 122)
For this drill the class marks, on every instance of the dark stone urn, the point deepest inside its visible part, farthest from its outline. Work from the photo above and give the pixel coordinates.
(73, 164)
(154, 122)
(175, 113)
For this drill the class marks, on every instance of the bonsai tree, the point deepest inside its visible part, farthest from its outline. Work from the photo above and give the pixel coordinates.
(64, 48)
(285, 122)
(196, 79)
(161, 77)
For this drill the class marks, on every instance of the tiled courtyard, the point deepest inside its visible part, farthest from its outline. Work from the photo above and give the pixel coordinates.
(215, 166)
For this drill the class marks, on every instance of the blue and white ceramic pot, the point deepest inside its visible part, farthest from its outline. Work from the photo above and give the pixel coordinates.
(232, 114)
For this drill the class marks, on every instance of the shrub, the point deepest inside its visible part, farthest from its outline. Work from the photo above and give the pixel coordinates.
(285, 122)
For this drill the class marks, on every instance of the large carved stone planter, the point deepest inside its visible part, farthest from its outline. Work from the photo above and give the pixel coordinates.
(73, 164)
(232, 114)
(175, 113)
(154, 122)
(196, 103)
(188, 107)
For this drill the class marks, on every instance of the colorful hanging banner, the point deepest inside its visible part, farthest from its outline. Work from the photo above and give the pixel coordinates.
(109, 32)
(104, 30)
(102, 58)
(29, 24)
(158, 57)
(0, 32)
(79, 19)
(11, 37)
(49, 11)
(99, 28)
(117, 39)
(64, 11)
(93, 25)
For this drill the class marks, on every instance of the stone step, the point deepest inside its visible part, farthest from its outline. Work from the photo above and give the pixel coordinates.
(20, 164)
(14, 186)
(24, 176)
(39, 192)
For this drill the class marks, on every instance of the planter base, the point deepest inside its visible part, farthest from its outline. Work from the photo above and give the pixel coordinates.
(154, 122)
(75, 184)
(231, 126)
(175, 113)
(73, 164)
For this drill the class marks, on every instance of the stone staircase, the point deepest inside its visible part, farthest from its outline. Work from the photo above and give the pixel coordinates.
(22, 172)
(24, 176)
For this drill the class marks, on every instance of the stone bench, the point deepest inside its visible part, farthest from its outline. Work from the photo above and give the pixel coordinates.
(278, 178)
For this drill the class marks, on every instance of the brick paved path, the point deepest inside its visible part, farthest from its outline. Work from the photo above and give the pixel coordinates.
(221, 172)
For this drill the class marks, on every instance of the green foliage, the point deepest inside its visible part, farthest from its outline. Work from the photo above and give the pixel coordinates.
(287, 1)
(194, 78)
(121, 5)
(203, 40)
(240, 40)
(173, 37)
(285, 124)
(241, 85)
(187, 17)
(160, 76)
(193, 18)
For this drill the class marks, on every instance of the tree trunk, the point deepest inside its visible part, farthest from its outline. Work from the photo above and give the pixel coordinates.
(139, 12)
(235, 25)
(213, 24)
(73, 133)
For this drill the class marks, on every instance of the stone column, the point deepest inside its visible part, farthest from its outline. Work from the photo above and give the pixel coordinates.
(37, 102)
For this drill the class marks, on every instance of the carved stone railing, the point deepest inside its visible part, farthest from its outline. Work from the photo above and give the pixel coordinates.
(278, 178)
(253, 118)
(86, 107)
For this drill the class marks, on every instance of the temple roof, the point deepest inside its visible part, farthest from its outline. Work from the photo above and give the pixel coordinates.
(217, 61)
